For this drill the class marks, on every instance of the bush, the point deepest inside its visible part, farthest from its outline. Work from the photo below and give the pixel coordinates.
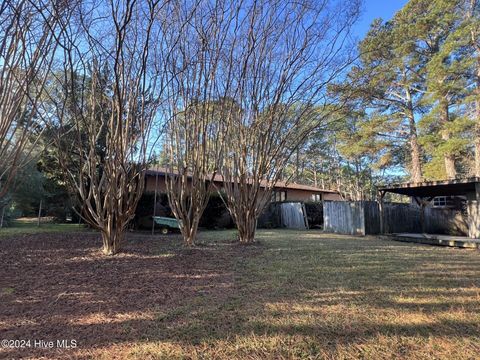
(270, 217)
(216, 215)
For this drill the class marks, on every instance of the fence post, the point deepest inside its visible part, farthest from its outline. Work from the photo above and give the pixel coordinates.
(39, 212)
(2, 216)
(362, 217)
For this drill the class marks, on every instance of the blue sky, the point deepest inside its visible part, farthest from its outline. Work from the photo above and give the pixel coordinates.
(373, 9)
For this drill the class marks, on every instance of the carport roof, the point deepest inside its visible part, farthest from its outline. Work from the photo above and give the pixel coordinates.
(433, 188)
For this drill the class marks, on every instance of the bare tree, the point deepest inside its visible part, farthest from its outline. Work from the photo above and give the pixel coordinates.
(106, 108)
(195, 137)
(27, 33)
(282, 56)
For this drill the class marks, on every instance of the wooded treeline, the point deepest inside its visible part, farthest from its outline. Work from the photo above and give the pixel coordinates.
(414, 104)
(94, 92)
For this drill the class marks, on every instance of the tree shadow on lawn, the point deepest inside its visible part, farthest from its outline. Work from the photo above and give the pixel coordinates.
(61, 287)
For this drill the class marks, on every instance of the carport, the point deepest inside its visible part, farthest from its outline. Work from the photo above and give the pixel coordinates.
(424, 192)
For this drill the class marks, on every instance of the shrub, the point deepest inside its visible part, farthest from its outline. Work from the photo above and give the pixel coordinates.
(216, 215)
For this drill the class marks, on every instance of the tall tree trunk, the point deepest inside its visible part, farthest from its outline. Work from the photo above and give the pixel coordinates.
(297, 165)
(476, 45)
(155, 204)
(416, 162)
(449, 159)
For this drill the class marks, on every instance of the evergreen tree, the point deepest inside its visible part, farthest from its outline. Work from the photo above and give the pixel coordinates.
(434, 25)
(389, 83)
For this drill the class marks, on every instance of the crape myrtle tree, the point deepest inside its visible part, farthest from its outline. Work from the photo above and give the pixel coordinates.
(194, 142)
(110, 96)
(27, 34)
(279, 59)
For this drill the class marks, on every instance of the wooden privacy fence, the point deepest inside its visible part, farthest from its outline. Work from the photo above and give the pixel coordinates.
(363, 218)
(344, 217)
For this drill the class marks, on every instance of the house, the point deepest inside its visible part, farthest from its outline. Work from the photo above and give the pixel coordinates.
(282, 191)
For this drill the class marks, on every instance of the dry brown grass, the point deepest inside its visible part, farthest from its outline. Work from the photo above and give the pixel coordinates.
(293, 295)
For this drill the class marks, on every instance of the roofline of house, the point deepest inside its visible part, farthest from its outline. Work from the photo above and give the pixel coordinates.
(278, 185)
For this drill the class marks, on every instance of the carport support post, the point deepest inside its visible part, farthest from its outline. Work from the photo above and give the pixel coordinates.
(381, 195)
(474, 213)
(422, 216)
(154, 204)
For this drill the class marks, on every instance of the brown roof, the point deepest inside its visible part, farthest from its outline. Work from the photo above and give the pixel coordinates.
(279, 185)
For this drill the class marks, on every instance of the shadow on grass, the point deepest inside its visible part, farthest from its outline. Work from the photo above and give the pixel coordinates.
(300, 285)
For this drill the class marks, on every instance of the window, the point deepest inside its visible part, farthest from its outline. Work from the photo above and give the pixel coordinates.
(279, 195)
(440, 201)
(445, 201)
(317, 197)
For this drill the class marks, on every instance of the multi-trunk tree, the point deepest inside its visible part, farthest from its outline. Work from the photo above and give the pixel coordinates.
(194, 142)
(280, 56)
(105, 109)
(27, 45)
(250, 83)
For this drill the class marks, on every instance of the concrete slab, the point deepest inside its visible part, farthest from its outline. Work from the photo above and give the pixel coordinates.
(436, 239)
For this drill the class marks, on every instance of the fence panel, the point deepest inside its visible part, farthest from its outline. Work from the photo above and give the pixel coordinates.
(344, 217)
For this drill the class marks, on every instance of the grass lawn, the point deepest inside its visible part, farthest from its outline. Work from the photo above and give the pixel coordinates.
(29, 226)
(292, 295)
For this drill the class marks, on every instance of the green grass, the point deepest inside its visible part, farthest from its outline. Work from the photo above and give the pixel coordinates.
(309, 295)
(30, 227)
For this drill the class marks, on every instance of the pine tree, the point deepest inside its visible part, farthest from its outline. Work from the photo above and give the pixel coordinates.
(446, 124)
(470, 30)
(389, 81)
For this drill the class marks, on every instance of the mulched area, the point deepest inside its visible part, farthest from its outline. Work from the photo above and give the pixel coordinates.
(60, 287)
